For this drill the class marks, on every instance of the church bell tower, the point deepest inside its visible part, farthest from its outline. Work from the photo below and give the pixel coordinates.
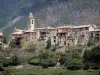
(31, 22)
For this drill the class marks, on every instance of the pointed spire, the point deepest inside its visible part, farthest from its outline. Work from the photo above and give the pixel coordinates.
(15, 28)
(30, 15)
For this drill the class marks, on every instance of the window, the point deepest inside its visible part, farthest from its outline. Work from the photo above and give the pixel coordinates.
(87, 28)
(54, 40)
(68, 44)
(54, 37)
(64, 42)
(32, 21)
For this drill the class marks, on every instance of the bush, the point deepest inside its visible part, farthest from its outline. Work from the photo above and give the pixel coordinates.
(48, 43)
(35, 61)
(86, 67)
(5, 61)
(16, 60)
(95, 67)
(51, 62)
(31, 47)
(63, 59)
(75, 64)
(46, 59)
(1, 67)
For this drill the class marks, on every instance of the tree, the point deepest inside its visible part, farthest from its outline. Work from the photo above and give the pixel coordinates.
(1, 67)
(63, 60)
(4, 40)
(45, 59)
(75, 64)
(86, 66)
(92, 57)
(16, 43)
(48, 43)
(16, 60)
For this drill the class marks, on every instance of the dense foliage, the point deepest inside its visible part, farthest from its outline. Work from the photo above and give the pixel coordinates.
(45, 59)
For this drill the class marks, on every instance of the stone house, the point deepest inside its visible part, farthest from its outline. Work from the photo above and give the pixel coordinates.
(1, 37)
(81, 34)
(94, 35)
(61, 35)
(29, 34)
(47, 32)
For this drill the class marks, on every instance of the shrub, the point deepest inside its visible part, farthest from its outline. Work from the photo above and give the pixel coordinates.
(46, 59)
(51, 62)
(86, 67)
(1, 67)
(45, 63)
(6, 62)
(95, 67)
(93, 55)
(35, 61)
(31, 47)
(63, 59)
(16, 60)
(48, 43)
(75, 64)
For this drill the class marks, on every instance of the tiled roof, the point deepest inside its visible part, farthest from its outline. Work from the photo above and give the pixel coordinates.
(97, 30)
(29, 31)
(82, 26)
(19, 32)
(52, 28)
(64, 27)
(1, 34)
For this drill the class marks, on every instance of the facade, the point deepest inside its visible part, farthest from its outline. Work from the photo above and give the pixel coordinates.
(47, 32)
(1, 37)
(63, 35)
(29, 34)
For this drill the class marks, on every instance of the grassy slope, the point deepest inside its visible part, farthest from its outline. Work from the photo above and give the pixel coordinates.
(33, 70)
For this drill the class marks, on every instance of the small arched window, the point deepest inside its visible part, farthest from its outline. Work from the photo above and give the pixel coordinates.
(32, 21)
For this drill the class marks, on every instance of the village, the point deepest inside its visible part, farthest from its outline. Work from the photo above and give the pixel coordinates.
(68, 35)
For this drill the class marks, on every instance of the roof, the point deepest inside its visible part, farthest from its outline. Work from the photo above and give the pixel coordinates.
(64, 27)
(51, 28)
(17, 30)
(1, 34)
(97, 30)
(39, 28)
(82, 26)
(29, 31)
(19, 33)
(30, 15)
